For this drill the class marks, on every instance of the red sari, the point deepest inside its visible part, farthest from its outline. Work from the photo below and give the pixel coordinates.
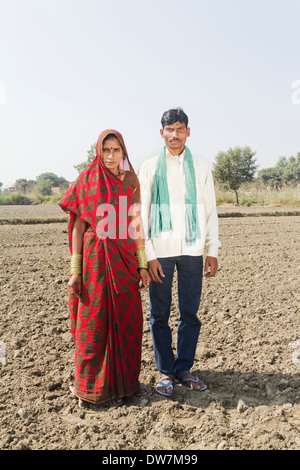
(106, 322)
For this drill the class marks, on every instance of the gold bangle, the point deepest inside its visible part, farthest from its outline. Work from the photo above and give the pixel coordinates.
(141, 259)
(75, 265)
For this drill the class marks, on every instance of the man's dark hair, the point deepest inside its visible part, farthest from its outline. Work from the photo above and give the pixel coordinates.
(174, 115)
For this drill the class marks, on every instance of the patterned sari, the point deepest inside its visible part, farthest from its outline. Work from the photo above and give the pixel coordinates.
(106, 322)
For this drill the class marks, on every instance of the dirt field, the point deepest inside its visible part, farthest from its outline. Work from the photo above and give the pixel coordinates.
(248, 353)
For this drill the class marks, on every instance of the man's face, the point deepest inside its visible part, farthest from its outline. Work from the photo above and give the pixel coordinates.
(175, 136)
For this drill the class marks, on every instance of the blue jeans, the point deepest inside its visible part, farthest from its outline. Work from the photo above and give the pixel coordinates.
(189, 272)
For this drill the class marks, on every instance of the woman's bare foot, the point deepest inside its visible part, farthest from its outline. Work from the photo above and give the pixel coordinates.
(145, 390)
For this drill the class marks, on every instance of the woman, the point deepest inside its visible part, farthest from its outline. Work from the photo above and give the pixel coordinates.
(107, 265)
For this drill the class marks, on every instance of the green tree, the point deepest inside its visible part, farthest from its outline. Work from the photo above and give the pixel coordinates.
(285, 172)
(91, 154)
(291, 171)
(31, 184)
(47, 180)
(235, 167)
(270, 177)
(21, 185)
(281, 164)
(56, 180)
(44, 186)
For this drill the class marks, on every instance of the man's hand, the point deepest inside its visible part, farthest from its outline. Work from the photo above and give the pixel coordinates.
(74, 285)
(155, 270)
(211, 266)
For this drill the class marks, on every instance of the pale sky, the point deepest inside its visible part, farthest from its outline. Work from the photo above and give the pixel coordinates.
(72, 68)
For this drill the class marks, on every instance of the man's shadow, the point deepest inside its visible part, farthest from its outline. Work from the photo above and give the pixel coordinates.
(253, 388)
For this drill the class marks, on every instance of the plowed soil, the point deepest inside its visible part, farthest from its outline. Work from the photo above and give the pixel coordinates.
(248, 352)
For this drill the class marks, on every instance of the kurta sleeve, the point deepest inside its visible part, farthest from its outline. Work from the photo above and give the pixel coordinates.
(146, 181)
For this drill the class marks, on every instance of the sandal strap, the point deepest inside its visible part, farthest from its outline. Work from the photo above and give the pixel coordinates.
(190, 379)
(165, 383)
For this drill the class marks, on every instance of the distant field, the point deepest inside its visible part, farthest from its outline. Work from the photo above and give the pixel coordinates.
(40, 210)
(49, 211)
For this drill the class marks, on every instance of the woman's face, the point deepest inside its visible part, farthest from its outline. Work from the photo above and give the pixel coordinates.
(112, 153)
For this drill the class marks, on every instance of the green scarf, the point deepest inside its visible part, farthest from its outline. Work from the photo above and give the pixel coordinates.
(161, 215)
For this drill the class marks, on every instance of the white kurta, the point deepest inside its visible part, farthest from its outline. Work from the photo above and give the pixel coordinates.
(172, 243)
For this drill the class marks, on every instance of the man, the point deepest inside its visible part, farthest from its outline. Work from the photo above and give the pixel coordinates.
(179, 216)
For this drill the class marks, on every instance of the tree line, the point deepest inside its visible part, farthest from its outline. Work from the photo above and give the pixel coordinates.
(231, 170)
(286, 172)
(42, 185)
(238, 166)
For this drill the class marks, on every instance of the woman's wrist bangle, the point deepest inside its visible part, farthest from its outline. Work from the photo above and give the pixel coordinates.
(141, 259)
(76, 264)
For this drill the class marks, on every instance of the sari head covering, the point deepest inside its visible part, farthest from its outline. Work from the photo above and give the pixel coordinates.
(106, 322)
(125, 162)
(96, 185)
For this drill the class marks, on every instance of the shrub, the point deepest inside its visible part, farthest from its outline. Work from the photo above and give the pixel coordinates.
(15, 200)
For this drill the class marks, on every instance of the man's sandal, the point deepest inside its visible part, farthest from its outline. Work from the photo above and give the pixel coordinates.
(165, 383)
(193, 380)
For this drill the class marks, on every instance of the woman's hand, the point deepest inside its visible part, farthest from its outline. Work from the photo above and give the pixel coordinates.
(74, 285)
(146, 279)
